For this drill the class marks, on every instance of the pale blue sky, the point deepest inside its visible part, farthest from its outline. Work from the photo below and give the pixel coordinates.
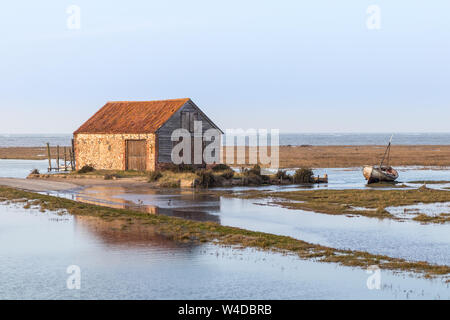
(300, 66)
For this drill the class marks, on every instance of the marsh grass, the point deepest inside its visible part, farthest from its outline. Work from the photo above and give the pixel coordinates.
(86, 169)
(307, 156)
(171, 179)
(441, 218)
(355, 156)
(387, 185)
(181, 176)
(183, 230)
(206, 178)
(154, 176)
(343, 202)
(425, 182)
(220, 167)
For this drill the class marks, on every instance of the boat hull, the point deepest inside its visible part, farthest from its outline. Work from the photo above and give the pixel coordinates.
(377, 174)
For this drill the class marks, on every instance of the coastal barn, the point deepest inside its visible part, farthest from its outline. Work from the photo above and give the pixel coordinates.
(135, 135)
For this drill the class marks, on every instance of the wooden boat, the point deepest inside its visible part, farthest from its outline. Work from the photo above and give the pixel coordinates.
(383, 172)
(380, 174)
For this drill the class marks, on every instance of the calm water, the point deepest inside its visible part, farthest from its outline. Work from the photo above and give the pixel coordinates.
(402, 239)
(352, 178)
(34, 140)
(139, 264)
(21, 168)
(408, 239)
(23, 140)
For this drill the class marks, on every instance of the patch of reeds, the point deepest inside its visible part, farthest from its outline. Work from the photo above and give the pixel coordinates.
(303, 175)
(206, 178)
(154, 175)
(220, 167)
(227, 174)
(86, 169)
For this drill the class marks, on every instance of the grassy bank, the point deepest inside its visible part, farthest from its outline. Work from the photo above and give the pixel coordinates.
(358, 156)
(185, 230)
(311, 156)
(186, 176)
(369, 203)
(430, 182)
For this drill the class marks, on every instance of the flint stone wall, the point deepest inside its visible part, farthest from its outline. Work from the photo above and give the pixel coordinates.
(107, 151)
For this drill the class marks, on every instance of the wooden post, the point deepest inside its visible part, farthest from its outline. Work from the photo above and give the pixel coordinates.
(57, 157)
(73, 160)
(49, 158)
(65, 159)
(73, 156)
(70, 159)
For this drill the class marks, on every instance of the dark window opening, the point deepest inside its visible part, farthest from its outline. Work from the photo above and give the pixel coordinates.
(187, 120)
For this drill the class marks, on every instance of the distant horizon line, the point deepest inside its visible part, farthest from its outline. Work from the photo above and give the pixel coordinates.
(284, 133)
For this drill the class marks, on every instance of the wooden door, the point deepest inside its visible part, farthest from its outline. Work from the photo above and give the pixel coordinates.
(136, 155)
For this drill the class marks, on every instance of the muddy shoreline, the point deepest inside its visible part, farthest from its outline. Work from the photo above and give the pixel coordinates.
(309, 156)
(61, 184)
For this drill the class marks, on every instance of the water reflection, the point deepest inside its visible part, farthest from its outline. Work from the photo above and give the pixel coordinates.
(134, 262)
(409, 240)
(156, 201)
(122, 232)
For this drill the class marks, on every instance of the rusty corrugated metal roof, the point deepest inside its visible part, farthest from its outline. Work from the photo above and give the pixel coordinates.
(131, 116)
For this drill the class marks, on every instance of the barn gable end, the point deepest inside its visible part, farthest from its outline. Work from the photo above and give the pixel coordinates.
(164, 133)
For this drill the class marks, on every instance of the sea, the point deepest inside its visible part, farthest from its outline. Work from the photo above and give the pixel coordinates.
(294, 139)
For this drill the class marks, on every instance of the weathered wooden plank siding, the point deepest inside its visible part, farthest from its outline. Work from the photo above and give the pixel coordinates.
(164, 133)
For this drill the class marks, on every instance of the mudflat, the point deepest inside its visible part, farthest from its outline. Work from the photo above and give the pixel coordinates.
(62, 184)
(37, 185)
(309, 156)
(29, 153)
(356, 156)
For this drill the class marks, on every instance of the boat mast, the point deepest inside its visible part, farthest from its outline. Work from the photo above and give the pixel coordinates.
(387, 153)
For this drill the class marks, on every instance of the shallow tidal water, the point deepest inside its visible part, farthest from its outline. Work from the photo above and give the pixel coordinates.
(36, 249)
(21, 168)
(352, 178)
(402, 239)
